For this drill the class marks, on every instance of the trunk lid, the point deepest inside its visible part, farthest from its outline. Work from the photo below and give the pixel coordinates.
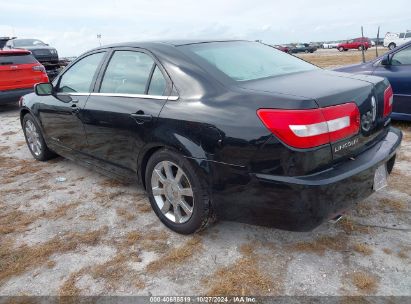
(329, 88)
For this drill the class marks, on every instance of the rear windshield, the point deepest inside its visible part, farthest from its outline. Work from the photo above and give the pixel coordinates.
(16, 59)
(27, 42)
(243, 60)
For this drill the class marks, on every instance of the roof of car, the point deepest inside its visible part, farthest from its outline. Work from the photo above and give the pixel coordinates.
(14, 51)
(167, 42)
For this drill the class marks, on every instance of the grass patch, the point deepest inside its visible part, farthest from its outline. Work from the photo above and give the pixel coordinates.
(322, 244)
(351, 227)
(19, 221)
(132, 237)
(8, 133)
(4, 149)
(15, 261)
(22, 167)
(177, 255)
(393, 205)
(399, 182)
(126, 214)
(339, 58)
(155, 241)
(113, 272)
(364, 281)
(363, 248)
(88, 217)
(244, 277)
(69, 287)
(403, 253)
(111, 183)
(15, 221)
(144, 208)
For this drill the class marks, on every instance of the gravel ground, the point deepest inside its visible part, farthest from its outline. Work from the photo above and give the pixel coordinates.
(90, 235)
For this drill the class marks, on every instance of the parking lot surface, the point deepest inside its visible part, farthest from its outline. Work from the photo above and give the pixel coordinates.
(66, 230)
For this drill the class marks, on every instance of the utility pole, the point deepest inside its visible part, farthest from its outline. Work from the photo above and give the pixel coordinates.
(99, 38)
(378, 42)
(362, 49)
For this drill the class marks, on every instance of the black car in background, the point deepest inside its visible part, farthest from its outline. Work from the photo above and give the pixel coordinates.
(234, 130)
(45, 54)
(302, 48)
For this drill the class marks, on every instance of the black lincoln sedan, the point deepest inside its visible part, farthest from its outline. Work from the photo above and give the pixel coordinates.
(233, 130)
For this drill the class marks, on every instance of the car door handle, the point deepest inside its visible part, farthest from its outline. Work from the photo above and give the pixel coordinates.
(75, 109)
(141, 117)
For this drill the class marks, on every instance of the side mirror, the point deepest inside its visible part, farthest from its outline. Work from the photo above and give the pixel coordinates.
(386, 60)
(43, 89)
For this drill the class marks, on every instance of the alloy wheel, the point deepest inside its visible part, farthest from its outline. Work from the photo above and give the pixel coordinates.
(172, 192)
(33, 138)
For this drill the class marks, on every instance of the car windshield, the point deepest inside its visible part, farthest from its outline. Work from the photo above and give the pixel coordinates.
(27, 42)
(242, 60)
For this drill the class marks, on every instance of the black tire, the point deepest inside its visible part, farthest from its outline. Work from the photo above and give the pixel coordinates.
(44, 152)
(306, 51)
(391, 46)
(202, 214)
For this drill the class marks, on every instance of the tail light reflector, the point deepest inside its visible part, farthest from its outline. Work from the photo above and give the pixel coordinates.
(311, 128)
(388, 100)
(39, 68)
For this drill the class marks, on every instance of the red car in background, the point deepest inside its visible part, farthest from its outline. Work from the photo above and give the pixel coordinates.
(19, 72)
(357, 43)
(282, 48)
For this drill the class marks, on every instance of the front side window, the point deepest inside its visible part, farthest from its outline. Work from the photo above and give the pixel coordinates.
(402, 57)
(127, 73)
(243, 60)
(402, 35)
(79, 77)
(408, 35)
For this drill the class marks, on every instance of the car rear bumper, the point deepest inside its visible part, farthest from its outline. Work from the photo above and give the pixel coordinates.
(304, 202)
(13, 95)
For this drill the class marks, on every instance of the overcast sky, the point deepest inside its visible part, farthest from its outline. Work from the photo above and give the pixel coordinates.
(71, 25)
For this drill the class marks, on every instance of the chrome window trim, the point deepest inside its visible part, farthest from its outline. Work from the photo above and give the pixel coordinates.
(159, 97)
(74, 94)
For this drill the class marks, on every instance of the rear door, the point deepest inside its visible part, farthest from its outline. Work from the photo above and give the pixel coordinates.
(352, 44)
(122, 111)
(16, 71)
(399, 75)
(61, 114)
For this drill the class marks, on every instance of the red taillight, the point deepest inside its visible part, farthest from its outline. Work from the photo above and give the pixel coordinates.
(39, 68)
(388, 100)
(314, 127)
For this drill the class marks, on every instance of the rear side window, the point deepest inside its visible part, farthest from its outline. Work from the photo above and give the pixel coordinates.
(127, 73)
(408, 35)
(16, 59)
(80, 75)
(402, 57)
(242, 60)
(402, 35)
(158, 83)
